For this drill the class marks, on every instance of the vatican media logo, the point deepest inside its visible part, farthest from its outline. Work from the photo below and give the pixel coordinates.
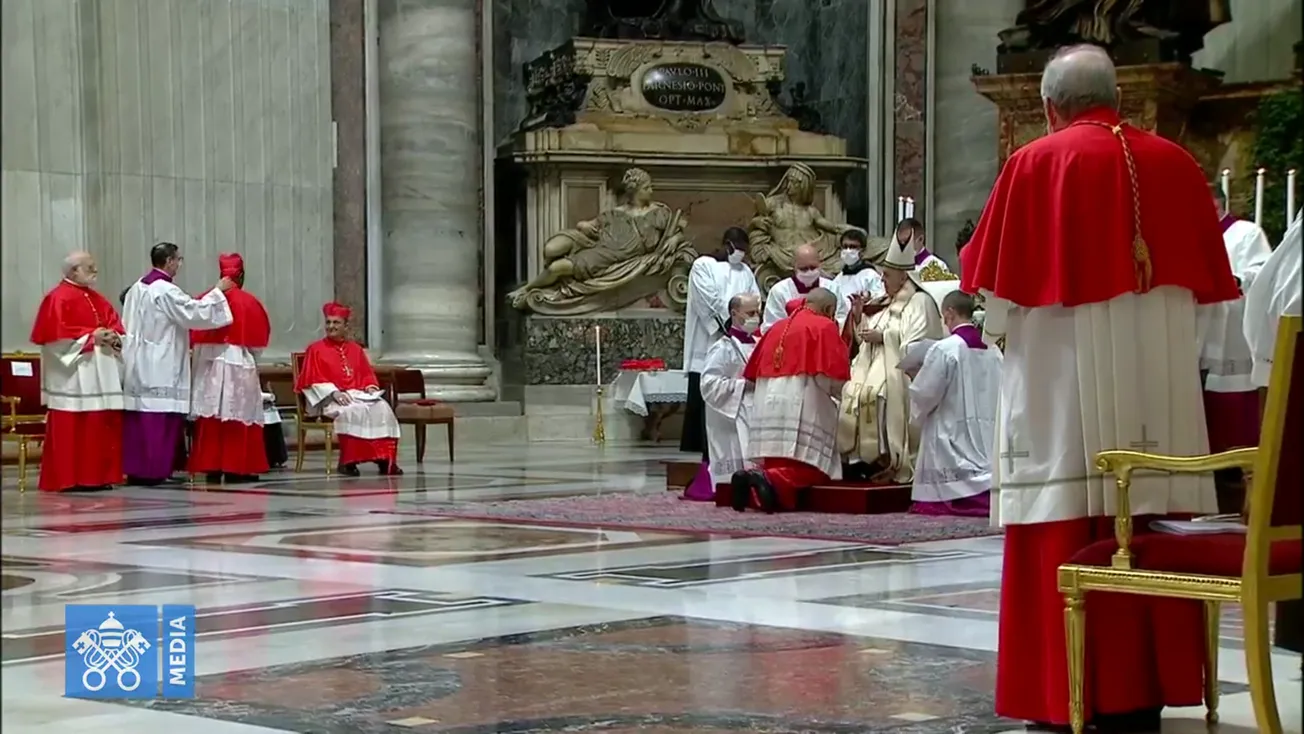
(129, 651)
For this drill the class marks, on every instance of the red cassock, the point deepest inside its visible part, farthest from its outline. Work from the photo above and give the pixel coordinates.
(344, 364)
(1052, 233)
(803, 344)
(221, 443)
(83, 433)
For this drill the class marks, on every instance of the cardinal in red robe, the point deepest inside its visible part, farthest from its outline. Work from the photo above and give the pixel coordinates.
(798, 368)
(337, 381)
(1096, 247)
(226, 403)
(80, 337)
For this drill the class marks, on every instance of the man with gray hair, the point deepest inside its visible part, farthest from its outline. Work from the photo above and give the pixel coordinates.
(1097, 246)
(726, 395)
(80, 337)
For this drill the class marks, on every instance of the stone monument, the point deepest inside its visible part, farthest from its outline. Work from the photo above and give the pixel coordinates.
(1151, 42)
(658, 93)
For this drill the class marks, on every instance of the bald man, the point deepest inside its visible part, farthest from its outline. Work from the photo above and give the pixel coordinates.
(806, 277)
(1097, 245)
(726, 395)
(80, 337)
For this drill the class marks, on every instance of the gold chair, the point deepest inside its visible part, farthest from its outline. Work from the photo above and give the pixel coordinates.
(1253, 569)
(23, 422)
(304, 422)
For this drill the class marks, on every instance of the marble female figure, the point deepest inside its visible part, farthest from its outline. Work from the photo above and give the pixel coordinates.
(158, 317)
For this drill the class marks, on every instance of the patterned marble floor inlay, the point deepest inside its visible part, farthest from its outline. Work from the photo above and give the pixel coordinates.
(678, 575)
(663, 673)
(385, 605)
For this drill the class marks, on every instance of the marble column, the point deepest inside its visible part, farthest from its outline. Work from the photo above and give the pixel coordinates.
(430, 190)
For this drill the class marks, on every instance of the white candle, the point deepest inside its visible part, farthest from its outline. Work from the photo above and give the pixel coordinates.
(1227, 189)
(1290, 196)
(597, 356)
(901, 208)
(910, 207)
(1258, 197)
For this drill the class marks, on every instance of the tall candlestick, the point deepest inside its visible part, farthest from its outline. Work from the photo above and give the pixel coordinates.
(1227, 189)
(1258, 196)
(1290, 196)
(910, 207)
(597, 354)
(901, 208)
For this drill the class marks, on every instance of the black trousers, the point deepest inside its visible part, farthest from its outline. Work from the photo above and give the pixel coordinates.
(693, 437)
(274, 444)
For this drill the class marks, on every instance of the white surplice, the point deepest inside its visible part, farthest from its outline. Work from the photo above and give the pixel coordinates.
(80, 381)
(368, 416)
(1225, 355)
(226, 384)
(796, 418)
(776, 302)
(728, 399)
(156, 349)
(711, 284)
(867, 281)
(1122, 374)
(953, 400)
(1275, 293)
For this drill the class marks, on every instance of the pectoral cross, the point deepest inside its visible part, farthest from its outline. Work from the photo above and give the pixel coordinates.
(344, 360)
(99, 321)
(1145, 444)
(1010, 455)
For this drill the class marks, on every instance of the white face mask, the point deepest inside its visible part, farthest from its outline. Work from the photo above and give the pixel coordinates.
(808, 277)
(751, 324)
(736, 257)
(850, 256)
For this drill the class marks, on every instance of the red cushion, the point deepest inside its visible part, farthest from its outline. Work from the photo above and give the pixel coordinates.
(423, 401)
(1211, 555)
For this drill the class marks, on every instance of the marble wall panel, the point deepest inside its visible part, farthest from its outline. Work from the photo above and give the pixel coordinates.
(1257, 44)
(560, 351)
(910, 100)
(204, 123)
(964, 125)
(349, 111)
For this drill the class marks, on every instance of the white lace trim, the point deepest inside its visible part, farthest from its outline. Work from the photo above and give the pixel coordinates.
(226, 385)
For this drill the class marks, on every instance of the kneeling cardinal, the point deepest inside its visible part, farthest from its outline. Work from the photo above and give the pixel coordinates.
(337, 381)
(799, 368)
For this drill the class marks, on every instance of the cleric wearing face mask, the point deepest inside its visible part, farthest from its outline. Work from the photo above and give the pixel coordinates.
(858, 273)
(713, 281)
(806, 277)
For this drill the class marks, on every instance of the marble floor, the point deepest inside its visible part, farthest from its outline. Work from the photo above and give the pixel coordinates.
(333, 606)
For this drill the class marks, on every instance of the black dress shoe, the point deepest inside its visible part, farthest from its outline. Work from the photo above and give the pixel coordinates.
(1038, 726)
(739, 490)
(348, 470)
(241, 478)
(1146, 721)
(213, 477)
(763, 492)
(387, 469)
(139, 482)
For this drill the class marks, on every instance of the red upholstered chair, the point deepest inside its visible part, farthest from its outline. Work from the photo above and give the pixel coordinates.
(407, 395)
(305, 422)
(1253, 569)
(23, 419)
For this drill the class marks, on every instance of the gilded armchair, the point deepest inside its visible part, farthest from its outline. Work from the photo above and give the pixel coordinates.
(23, 418)
(1253, 569)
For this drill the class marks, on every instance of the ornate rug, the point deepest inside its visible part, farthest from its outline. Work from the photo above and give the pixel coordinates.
(662, 511)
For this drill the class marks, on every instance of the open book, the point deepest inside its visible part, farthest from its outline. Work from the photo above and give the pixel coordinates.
(913, 359)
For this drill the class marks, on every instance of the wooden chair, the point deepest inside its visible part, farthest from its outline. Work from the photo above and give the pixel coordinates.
(305, 422)
(411, 407)
(1253, 569)
(23, 420)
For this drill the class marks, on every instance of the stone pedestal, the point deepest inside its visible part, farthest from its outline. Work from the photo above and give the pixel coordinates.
(1156, 97)
(430, 188)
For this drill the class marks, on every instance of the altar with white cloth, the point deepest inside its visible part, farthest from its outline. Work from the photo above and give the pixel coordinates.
(653, 395)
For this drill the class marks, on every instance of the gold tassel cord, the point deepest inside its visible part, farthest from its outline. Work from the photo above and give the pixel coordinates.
(1140, 250)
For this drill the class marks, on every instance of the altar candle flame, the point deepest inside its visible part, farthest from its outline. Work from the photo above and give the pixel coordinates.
(901, 208)
(1259, 181)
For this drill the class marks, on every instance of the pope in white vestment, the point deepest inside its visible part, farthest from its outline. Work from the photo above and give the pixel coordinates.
(953, 399)
(806, 276)
(713, 281)
(727, 394)
(1230, 401)
(874, 431)
(158, 317)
